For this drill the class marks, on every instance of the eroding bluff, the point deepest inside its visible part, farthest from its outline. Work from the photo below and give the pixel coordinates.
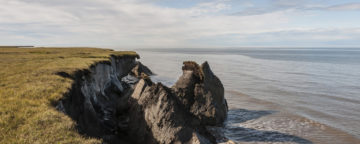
(116, 101)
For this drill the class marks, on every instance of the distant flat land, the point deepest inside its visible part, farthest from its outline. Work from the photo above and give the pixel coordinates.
(16, 46)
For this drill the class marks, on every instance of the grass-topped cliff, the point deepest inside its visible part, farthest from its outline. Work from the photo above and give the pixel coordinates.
(29, 86)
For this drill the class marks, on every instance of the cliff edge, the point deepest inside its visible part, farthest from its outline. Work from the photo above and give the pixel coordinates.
(116, 101)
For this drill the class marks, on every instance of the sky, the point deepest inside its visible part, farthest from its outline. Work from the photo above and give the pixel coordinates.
(133, 24)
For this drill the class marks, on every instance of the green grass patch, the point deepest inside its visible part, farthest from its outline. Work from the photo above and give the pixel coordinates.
(28, 86)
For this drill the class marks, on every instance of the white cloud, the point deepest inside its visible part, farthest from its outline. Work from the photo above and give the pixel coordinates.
(303, 37)
(342, 7)
(131, 24)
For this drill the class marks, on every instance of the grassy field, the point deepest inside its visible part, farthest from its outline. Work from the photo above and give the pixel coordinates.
(28, 86)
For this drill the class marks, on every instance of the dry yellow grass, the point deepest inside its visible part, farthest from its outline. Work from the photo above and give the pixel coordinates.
(28, 86)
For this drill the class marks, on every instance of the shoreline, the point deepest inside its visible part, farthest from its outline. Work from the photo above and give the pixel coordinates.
(268, 117)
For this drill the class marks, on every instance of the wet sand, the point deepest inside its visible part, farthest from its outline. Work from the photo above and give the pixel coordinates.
(252, 120)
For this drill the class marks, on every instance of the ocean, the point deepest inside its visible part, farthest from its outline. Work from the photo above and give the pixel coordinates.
(318, 86)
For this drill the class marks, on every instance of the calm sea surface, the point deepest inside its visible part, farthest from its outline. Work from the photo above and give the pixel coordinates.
(321, 84)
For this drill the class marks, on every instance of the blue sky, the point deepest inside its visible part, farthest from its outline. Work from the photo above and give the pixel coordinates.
(187, 23)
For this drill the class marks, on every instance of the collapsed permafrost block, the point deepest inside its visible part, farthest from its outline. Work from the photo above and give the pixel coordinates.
(118, 102)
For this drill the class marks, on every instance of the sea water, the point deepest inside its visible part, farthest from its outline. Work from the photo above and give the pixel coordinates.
(321, 84)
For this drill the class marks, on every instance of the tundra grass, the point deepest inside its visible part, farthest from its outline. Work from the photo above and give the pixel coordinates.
(29, 86)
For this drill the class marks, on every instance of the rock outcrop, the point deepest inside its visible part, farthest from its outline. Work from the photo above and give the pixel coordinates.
(141, 70)
(117, 101)
(179, 114)
(202, 93)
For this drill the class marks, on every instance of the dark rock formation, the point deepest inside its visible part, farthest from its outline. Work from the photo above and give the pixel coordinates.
(98, 99)
(179, 114)
(117, 101)
(202, 93)
(140, 71)
(158, 117)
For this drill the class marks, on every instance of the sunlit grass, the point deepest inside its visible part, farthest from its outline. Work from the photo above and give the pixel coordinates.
(29, 85)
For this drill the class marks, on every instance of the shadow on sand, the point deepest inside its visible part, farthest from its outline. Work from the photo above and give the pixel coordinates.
(241, 134)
